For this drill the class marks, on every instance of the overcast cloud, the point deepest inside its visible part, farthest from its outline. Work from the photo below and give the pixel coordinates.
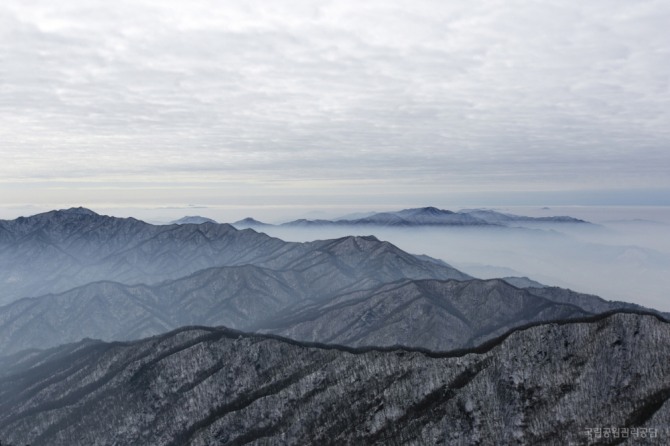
(255, 99)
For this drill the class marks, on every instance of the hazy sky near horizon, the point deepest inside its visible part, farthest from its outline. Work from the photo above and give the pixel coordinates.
(334, 103)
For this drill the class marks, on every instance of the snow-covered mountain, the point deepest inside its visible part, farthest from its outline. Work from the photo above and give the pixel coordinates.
(59, 250)
(549, 384)
(128, 279)
(123, 279)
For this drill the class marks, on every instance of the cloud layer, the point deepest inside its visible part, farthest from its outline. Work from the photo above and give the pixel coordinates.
(471, 96)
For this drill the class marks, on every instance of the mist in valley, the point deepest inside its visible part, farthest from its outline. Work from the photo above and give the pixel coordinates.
(622, 256)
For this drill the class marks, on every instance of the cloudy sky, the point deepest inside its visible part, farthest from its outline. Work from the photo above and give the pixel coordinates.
(343, 104)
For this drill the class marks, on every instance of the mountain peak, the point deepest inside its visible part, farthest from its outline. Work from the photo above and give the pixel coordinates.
(77, 211)
(433, 210)
(428, 210)
(249, 221)
(193, 220)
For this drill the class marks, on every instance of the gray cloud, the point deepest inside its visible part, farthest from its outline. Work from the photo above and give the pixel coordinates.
(481, 95)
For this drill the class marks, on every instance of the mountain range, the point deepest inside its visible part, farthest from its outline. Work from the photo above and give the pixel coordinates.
(355, 291)
(426, 216)
(549, 384)
(59, 250)
(434, 314)
(343, 341)
(428, 313)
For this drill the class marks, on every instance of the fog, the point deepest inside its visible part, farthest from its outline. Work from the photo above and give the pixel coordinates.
(624, 259)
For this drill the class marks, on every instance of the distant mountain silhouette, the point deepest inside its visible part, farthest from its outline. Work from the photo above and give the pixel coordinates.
(249, 223)
(426, 216)
(192, 220)
(495, 217)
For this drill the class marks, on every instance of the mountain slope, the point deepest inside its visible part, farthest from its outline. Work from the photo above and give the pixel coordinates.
(238, 296)
(588, 302)
(544, 385)
(345, 292)
(60, 250)
(432, 314)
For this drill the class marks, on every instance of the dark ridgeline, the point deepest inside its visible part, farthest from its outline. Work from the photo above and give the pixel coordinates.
(546, 384)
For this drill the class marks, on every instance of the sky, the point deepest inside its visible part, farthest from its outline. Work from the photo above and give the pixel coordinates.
(258, 107)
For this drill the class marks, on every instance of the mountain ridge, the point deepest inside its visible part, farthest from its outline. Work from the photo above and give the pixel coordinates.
(426, 216)
(433, 313)
(56, 251)
(185, 388)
